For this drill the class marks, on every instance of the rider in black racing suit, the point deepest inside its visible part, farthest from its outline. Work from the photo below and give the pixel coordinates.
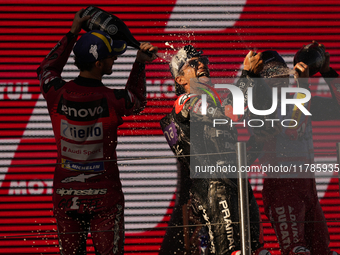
(214, 199)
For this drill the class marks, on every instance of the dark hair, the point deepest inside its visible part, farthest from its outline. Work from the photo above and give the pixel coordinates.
(274, 69)
(83, 66)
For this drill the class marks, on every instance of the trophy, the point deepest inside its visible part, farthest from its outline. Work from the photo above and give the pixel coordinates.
(312, 55)
(109, 23)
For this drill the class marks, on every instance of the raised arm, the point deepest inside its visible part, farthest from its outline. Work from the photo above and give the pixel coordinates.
(49, 71)
(136, 84)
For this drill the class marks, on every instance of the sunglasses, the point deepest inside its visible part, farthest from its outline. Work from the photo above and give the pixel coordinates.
(194, 63)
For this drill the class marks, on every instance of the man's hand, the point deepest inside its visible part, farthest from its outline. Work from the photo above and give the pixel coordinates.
(302, 70)
(253, 62)
(301, 75)
(142, 57)
(78, 21)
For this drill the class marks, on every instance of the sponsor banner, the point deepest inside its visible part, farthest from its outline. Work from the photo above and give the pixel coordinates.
(82, 152)
(75, 166)
(81, 133)
(83, 111)
(81, 192)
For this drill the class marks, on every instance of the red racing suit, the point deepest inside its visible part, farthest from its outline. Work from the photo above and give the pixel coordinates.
(85, 115)
(292, 204)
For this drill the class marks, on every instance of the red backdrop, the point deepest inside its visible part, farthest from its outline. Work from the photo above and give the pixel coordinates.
(224, 30)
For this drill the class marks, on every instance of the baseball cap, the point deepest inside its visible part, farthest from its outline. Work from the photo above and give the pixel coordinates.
(182, 56)
(96, 45)
(274, 64)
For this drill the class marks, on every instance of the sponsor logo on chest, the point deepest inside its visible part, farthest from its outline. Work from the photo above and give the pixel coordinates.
(83, 111)
(81, 133)
(82, 152)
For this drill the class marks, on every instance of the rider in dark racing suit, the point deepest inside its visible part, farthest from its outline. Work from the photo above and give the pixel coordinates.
(213, 199)
(85, 115)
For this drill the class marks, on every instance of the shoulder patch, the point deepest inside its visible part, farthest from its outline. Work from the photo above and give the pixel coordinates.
(181, 100)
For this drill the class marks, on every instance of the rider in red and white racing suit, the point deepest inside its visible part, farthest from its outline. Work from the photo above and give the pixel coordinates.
(292, 204)
(85, 117)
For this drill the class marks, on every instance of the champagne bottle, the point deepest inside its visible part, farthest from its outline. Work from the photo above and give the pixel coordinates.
(109, 23)
(312, 55)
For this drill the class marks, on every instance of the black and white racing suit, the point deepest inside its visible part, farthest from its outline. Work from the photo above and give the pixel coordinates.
(214, 199)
